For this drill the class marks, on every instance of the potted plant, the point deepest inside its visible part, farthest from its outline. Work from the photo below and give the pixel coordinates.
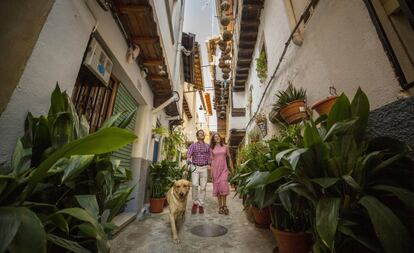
(324, 106)
(291, 104)
(261, 122)
(158, 132)
(63, 188)
(360, 190)
(290, 227)
(261, 66)
(158, 185)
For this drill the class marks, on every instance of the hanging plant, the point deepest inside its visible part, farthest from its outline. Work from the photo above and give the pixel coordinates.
(225, 6)
(261, 66)
(223, 48)
(227, 35)
(225, 21)
(226, 76)
(222, 43)
(226, 70)
(228, 50)
(222, 65)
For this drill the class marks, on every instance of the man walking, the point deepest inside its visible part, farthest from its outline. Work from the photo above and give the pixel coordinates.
(199, 155)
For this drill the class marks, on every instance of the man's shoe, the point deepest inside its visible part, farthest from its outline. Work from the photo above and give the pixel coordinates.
(200, 210)
(194, 209)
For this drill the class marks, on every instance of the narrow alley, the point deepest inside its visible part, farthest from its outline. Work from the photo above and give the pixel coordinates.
(153, 233)
(288, 125)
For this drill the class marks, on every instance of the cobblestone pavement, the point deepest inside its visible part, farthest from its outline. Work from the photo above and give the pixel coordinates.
(153, 233)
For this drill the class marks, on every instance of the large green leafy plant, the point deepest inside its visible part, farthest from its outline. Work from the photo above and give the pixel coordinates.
(361, 190)
(63, 188)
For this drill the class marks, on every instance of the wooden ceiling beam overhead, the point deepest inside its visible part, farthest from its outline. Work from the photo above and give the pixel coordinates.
(145, 39)
(132, 8)
(249, 25)
(153, 62)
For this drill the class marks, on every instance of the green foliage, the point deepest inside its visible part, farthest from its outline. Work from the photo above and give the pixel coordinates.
(261, 66)
(162, 176)
(62, 189)
(161, 131)
(173, 143)
(289, 95)
(358, 189)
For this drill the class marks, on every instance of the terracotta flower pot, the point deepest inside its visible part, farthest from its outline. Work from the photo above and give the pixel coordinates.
(288, 242)
(324, 106)
(156, 205)
(222, 65)
(294, 112)
(261, 217)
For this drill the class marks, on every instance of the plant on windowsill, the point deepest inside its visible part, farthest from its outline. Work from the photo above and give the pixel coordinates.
(261, 66)
(291, 105)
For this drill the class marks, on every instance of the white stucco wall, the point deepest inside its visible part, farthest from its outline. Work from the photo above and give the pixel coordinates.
(340, 48)
(56, 57)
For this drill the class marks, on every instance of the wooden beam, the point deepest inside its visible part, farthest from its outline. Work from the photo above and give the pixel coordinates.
(158, 77)
(132, 8)
(145, 39)
(152, 62)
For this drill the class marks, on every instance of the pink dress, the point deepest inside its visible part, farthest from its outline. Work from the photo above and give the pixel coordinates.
(219, 170)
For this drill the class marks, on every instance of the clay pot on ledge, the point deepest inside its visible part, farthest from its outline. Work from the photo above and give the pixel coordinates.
(289, 242)
(157, 205)
(294, 112)
(324, 106)
(261, 217)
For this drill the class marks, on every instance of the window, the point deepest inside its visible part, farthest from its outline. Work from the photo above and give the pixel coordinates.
(92, 99)
(397, 22)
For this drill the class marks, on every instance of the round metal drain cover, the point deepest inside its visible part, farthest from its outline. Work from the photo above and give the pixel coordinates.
(209, 230)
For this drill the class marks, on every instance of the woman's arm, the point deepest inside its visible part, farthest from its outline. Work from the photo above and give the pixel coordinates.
(230, 160)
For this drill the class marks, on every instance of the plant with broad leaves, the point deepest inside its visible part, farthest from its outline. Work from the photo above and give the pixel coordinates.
(63, 188)
(361, 190)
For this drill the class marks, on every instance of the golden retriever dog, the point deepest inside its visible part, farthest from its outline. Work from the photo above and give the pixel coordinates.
(177, 201)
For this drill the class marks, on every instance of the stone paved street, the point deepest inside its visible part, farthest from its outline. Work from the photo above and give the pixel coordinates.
(153, 234)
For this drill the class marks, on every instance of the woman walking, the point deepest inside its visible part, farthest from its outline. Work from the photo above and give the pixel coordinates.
(221, 188)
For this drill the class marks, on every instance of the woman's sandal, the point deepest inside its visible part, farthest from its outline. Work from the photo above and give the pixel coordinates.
(221, 210)
(226, 210)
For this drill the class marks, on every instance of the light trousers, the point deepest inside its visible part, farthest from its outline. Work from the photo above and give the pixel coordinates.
(199, 182)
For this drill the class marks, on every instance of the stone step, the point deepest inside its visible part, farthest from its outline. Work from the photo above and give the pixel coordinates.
(122, 220)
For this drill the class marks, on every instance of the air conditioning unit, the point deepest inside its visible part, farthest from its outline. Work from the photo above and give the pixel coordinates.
(98, 62)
